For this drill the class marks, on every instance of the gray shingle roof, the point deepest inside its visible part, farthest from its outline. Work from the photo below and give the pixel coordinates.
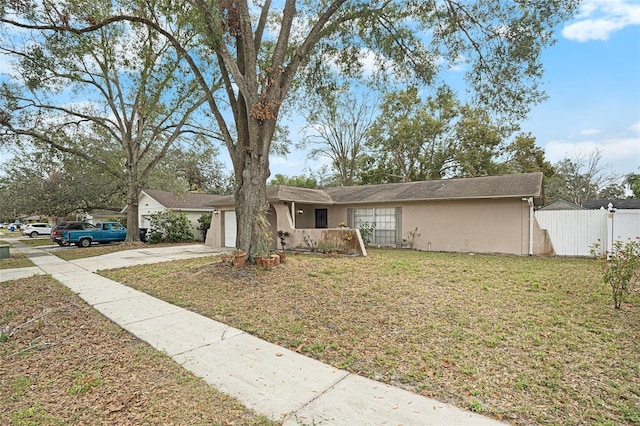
(562, 205)
(504, 186)
(186, 201)
(630, 203)
(299, 195)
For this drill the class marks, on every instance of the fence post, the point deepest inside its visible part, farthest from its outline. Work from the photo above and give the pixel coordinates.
(610, 236)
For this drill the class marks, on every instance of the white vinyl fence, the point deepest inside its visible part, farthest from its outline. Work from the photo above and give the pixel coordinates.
(572, 232)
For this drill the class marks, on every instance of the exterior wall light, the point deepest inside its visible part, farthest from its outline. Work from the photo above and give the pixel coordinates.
(300, 211)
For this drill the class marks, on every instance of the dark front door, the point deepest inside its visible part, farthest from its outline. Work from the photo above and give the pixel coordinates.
(321, 218)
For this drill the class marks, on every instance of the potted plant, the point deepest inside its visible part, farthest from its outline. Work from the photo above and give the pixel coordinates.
(269, 262)
(262, 252)
(239, 258)
(282, 236)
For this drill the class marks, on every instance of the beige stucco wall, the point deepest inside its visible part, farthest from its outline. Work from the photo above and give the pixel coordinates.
(467, 226)
(215, 234)
(480, 226)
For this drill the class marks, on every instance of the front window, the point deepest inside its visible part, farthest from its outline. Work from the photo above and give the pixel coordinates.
(387, 226)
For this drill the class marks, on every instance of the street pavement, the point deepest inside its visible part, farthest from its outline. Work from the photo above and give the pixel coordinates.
(274, 381)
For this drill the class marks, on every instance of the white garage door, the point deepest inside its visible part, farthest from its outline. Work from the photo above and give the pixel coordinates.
(230, 228)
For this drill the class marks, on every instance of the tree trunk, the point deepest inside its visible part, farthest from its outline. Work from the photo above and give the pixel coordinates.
(252, 171)
(133, 227)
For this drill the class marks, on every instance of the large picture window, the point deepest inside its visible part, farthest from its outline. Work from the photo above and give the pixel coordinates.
(388, 228)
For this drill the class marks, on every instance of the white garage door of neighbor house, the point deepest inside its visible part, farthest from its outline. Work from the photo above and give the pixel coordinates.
(230, 228)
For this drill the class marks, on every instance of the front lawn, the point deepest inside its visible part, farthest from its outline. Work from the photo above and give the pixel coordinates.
(62, 363)
(526, 340)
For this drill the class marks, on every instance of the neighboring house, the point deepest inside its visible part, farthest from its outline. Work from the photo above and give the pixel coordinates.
(561, 205)
(191, 204)
(625, 203)
(492, 214)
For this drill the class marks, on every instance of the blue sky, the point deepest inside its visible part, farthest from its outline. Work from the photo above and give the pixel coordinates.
(592, 78)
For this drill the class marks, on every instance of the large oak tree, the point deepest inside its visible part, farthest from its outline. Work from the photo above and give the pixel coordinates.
(265, 50)
(118, 98)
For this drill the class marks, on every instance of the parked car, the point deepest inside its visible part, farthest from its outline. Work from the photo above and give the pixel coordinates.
(103, 232)
(15, 226)
(4, 225)
(34, 230)
(57, 233)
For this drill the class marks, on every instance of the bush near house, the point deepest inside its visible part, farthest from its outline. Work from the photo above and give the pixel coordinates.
(204, 223)
(169, 227)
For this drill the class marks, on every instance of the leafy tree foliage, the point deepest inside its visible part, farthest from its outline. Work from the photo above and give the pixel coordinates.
(633, 181)
(131, 95)
(582, 178)
(55, 184)
(192, 168)
(412, 140)
(301, 181)
(415, 140)
(263, 51)
(523, 156)
(479, 143)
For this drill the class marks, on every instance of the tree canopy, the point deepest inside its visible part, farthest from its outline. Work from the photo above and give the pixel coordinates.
(118, 98)
(581, 178)
(263, 52)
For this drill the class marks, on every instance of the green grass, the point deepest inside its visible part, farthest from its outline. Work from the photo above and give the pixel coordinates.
(16, 260)
(523, 339)
(37, 242)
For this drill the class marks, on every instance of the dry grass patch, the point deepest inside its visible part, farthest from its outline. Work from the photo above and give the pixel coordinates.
(16, 260)
(37, 242)
(63, 363)
(527, 340)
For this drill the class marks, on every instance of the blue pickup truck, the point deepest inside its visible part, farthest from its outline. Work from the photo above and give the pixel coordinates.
(104, 232)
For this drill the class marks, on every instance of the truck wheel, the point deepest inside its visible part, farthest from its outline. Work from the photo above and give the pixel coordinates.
(60, 243)
(85, 242)
(34, 234)
(65, 243)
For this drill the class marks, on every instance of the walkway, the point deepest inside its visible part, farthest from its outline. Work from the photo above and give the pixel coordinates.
(274, 381)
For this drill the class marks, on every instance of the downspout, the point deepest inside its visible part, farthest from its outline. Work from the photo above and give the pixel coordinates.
(531, 217)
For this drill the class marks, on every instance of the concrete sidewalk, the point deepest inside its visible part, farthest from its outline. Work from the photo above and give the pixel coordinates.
(274, 381)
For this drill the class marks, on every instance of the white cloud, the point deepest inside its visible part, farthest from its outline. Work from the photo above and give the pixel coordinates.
(620, 153)
(587, 132)
(635, 127)
(598, 19)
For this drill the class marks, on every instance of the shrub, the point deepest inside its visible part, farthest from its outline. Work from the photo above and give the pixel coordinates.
(366, 231)
(310, 243)
(170, 227)
(412, 236)
(204, 223)
(620, 268)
